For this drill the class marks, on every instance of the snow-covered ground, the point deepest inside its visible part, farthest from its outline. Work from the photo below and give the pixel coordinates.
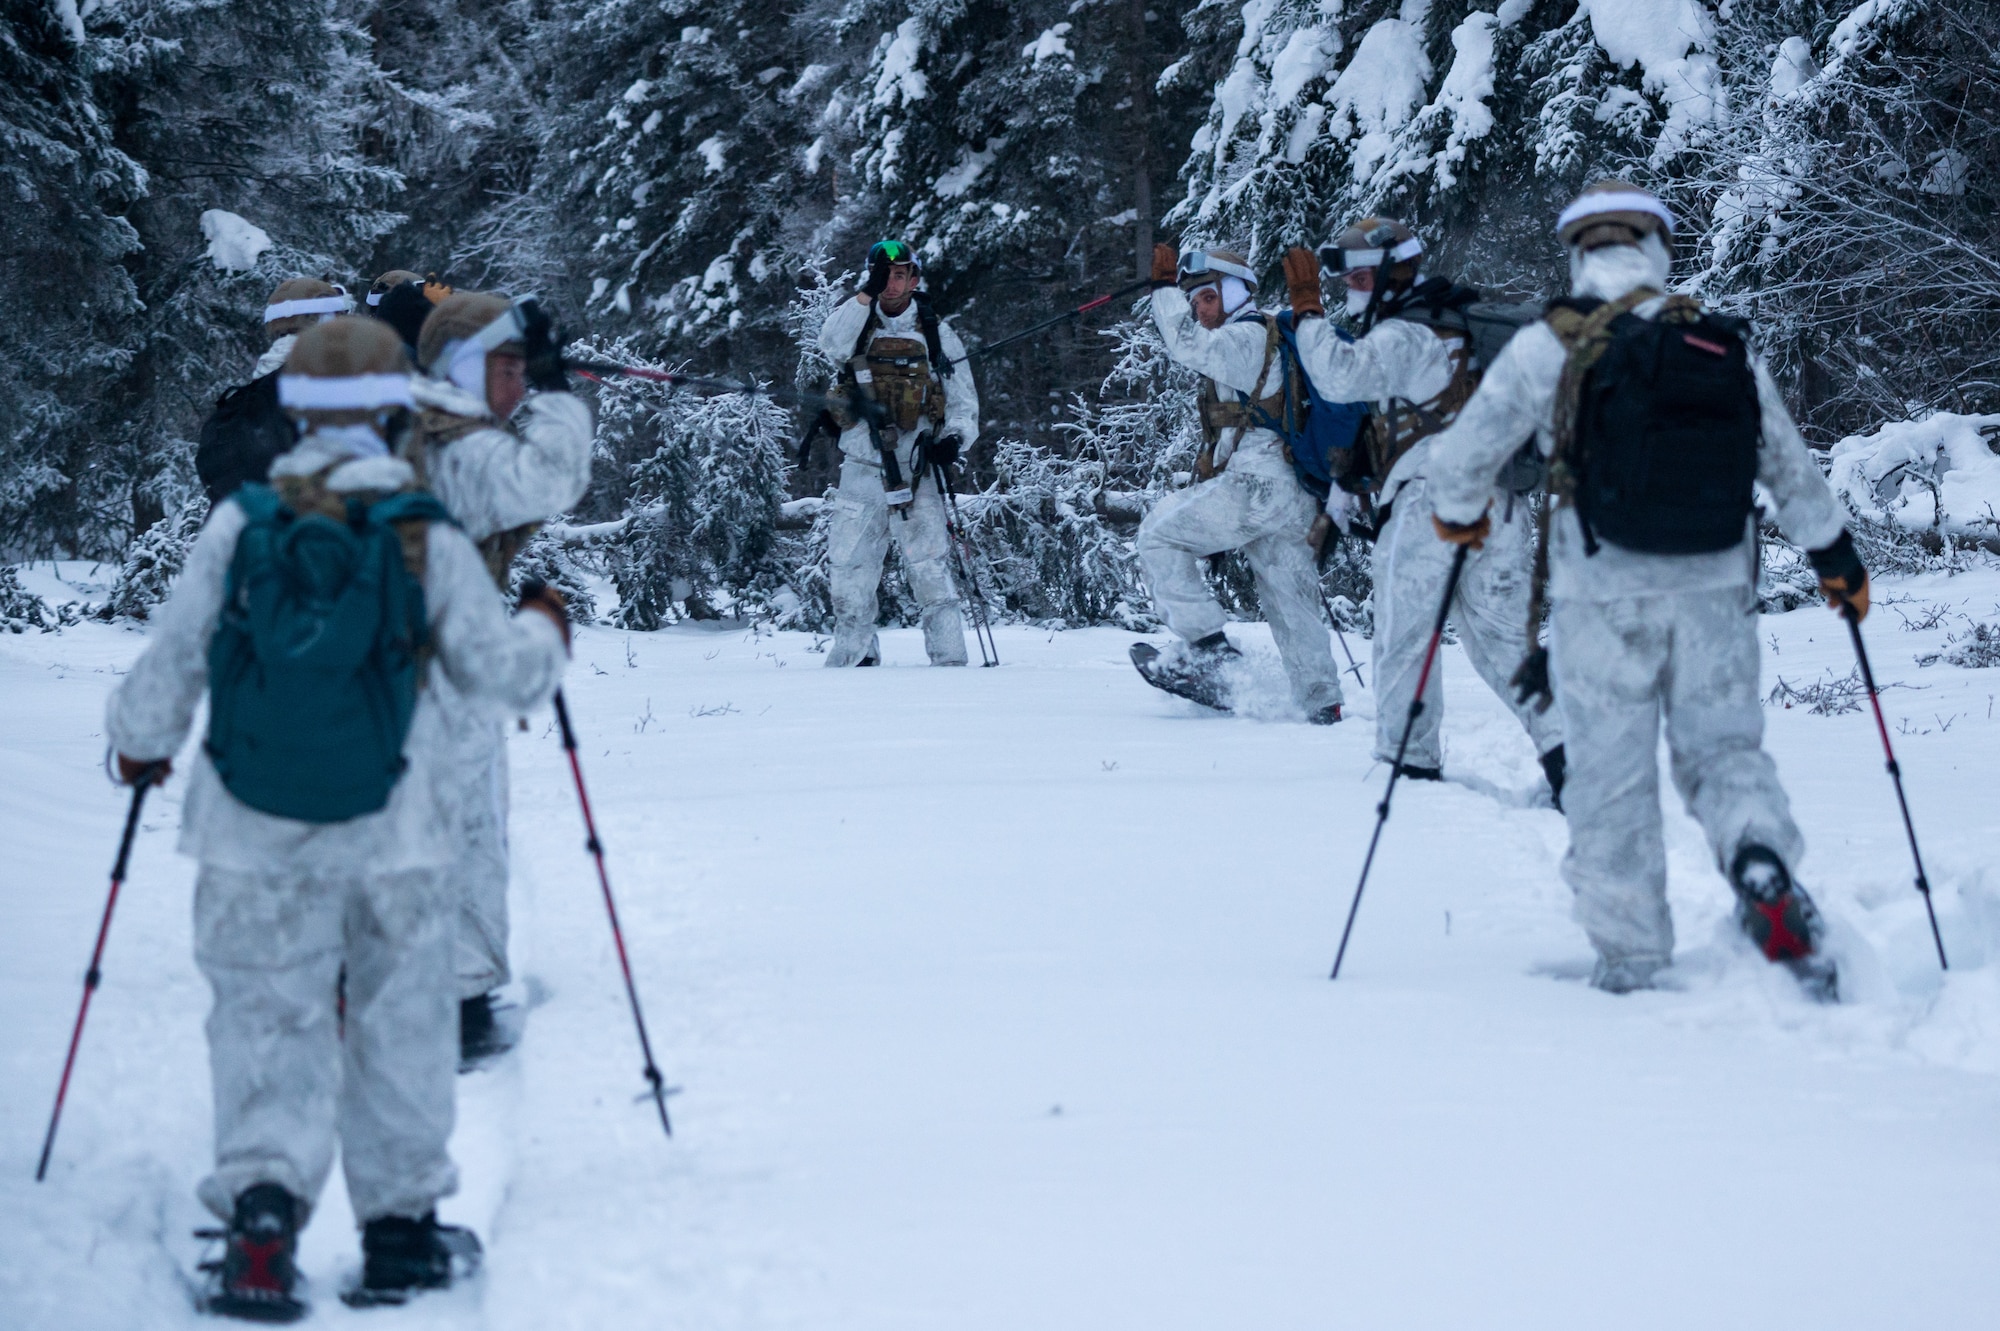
(999, 1001)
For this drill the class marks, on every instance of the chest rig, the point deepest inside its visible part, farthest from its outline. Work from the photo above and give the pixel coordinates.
(904, 374)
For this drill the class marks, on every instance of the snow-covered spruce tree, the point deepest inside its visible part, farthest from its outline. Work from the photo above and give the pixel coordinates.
(61, 242)
(1854, 209)
(1473, 122)
(671, 157)
(452, 108)
(153, 560)
(249, 109)
(1022, 148)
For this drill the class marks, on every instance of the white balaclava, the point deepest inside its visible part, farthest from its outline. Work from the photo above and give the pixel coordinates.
(1610, 271)
(1235, 294)
(1357, 302)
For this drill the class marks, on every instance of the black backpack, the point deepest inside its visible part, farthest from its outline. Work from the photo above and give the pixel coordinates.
(1667, 429)
(242, 437)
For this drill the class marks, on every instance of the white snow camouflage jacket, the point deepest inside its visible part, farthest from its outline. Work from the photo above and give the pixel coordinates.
(1517, 398)
(503, 476)
(837, 339)
(1395, 359)
(516, 662)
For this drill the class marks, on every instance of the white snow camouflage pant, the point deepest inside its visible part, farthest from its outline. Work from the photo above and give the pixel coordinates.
(1266, 517)
(857, 543)
(287, 1081)
(1490, 611)
(1621, 667)
(479, 873)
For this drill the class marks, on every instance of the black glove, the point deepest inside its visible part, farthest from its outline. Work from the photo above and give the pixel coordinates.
(538, 334)
(878, 274)
(1842, 579)
(941, 450)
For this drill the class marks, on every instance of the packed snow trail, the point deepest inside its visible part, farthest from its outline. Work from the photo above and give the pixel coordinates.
(998, 1000)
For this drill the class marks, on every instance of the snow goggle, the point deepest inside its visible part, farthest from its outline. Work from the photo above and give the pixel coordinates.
(1199, 267)
(893, 251)
(1383, 247)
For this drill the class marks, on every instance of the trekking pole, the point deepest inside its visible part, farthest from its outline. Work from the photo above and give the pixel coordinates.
(1403, 747)
(982, 629)
(1895, 774)
(1051, 322)
(596, 848)
(148, 776)
(1353, 666)
(865, 407)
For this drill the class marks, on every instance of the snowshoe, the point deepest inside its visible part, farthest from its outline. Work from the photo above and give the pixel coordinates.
(1195, 672)
(256, 1278)
(487, 1028)
(1782, 921)
(1555, 767)
(1325, 716)
(401, 1258)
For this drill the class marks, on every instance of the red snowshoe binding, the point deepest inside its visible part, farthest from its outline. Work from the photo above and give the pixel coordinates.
(402, 1257)
(1781, 919)
(257, 1276)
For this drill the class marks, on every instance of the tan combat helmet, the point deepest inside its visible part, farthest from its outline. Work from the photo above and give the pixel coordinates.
(381, 286)
(489, 319)
(347, 371)
(1614, 212)
(1373, 242)
(301, 302)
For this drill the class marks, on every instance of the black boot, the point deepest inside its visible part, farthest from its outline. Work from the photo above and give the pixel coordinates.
(482, 1035)
(257, 1275)
(401, 1257)
(1325, 716)
(1781, 919)
(1555, 768)
(1411, 772)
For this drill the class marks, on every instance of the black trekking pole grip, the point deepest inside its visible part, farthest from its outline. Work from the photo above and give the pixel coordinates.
(1402, 749)
(595, 846)
(1848, 613)
(148, 777)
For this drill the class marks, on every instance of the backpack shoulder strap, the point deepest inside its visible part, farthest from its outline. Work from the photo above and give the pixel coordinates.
(927, 320)
(411, 513)
(259, 502)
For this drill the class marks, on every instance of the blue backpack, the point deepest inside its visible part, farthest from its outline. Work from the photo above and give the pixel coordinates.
(1319, 435)
(317, 657)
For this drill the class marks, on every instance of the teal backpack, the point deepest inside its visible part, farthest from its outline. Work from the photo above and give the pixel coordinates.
(315, 664)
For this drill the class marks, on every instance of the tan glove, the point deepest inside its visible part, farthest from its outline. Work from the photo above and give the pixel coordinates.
(1473, 534)
(1166, 266)
(1318, 535)
(1302, 282)
(1204, 465)
(1840, 595)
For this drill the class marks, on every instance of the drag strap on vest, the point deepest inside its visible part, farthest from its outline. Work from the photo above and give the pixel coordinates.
(1242, 414)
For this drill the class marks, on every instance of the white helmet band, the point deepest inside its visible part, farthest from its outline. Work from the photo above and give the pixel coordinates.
(346, 392)
(324, 306)
(1593, 205)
